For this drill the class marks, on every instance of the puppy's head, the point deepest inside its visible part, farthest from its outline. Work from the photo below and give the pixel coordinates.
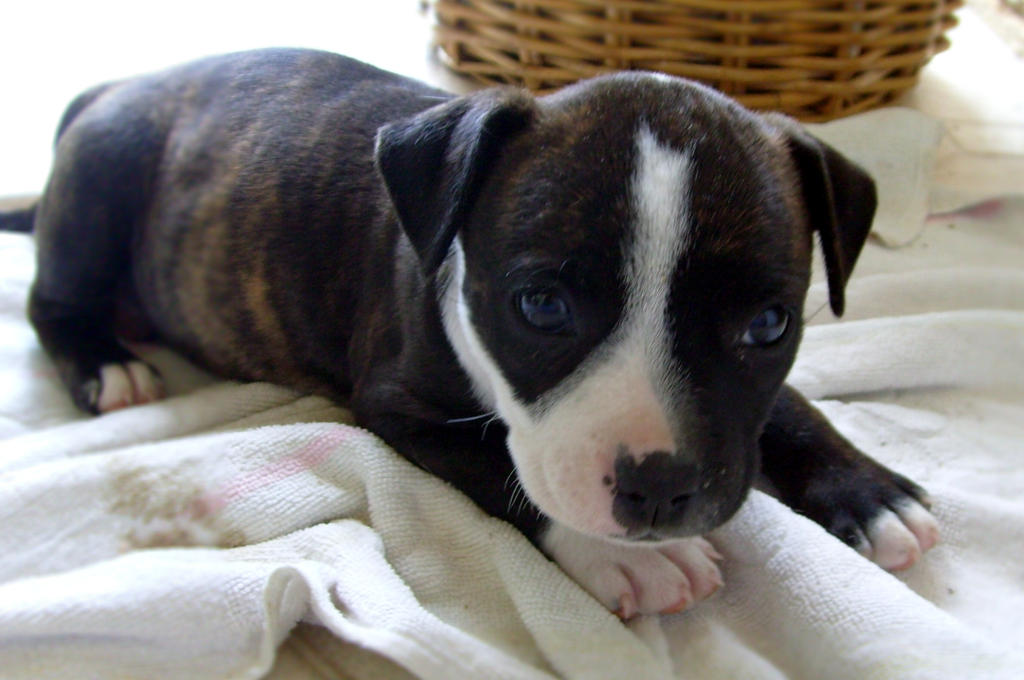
(623, 268)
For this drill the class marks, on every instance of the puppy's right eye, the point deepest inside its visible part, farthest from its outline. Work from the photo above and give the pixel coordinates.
(545, 309)
(767, 328)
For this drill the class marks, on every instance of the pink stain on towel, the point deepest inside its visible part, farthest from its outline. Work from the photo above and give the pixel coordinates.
(307, 457)
(986, 210)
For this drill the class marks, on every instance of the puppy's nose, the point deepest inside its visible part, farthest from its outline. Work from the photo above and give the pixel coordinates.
(654, 493)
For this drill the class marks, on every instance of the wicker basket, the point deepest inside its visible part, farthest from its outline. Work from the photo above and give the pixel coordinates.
(813, 59)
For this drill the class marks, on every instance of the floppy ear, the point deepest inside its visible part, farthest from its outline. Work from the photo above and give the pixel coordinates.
(840, 199)
(433, 163)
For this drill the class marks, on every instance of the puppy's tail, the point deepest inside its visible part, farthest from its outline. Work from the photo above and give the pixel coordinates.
(20, 218)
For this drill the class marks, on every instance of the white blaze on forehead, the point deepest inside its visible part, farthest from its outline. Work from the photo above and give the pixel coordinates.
(661, 199)
(623, 393)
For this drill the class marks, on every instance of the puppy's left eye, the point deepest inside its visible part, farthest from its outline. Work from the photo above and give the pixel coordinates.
(767, 328)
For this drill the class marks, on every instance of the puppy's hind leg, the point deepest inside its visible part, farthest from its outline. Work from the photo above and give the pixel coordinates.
(101, 374)
(83, 234)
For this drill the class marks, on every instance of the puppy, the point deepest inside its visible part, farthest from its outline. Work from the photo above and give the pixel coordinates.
(593, 297)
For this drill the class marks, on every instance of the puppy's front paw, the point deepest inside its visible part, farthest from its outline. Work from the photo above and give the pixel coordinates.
(883, 516)
(122, 385)
(637, 579)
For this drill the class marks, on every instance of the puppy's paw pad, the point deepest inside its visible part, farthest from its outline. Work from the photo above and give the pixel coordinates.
(123, 385)
(637, 579)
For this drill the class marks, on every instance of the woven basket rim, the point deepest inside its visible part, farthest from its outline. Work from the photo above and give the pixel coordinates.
(816, 59)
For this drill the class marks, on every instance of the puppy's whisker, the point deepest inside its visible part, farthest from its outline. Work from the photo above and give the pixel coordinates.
(518, 499)
(470, 419)
(524, 500)
(517, 492)
(494, 416)
(815, 313)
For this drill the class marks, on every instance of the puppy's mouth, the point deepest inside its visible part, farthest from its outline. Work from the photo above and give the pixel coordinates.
(655, 500)
(651, 536)
(706, 515)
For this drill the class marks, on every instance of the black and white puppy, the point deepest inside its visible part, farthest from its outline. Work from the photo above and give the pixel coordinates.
(613, 274)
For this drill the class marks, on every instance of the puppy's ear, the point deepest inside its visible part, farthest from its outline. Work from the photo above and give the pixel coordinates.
(433, 163)
(840, 199)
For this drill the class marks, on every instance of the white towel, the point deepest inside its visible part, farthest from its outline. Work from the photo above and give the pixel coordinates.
(310, 534)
